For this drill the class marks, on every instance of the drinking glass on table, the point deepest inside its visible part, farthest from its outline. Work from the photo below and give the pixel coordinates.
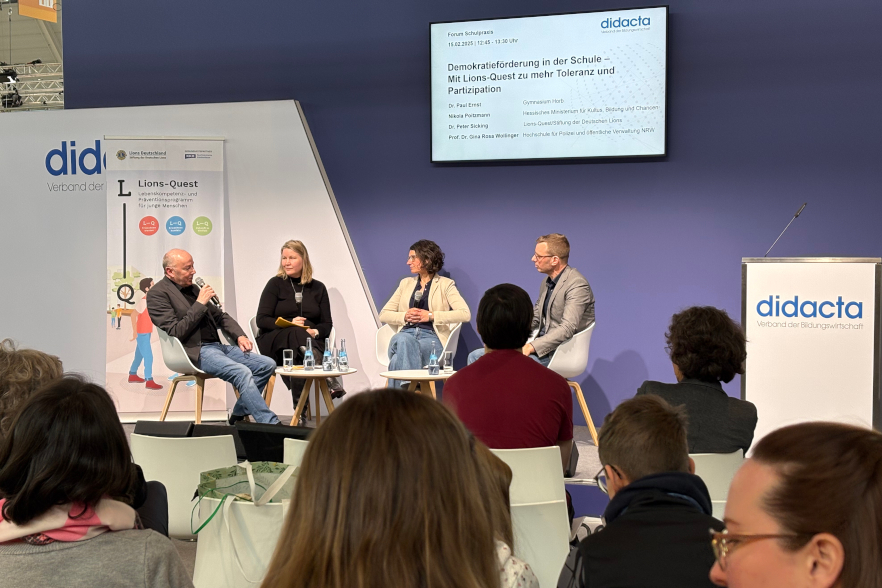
(448, 362)
(288, 360)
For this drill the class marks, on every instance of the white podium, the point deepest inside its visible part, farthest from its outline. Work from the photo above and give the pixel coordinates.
(813, 339)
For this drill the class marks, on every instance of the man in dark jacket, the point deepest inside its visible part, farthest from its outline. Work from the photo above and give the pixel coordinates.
(656, 526)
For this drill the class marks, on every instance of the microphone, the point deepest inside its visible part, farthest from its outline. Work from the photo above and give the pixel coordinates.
(214, 299)
(417, 296)
(798, 212)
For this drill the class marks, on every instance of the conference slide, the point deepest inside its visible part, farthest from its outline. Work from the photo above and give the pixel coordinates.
(548, 87)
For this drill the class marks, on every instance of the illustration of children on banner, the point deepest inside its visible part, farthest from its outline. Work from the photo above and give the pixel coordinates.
(142, 330)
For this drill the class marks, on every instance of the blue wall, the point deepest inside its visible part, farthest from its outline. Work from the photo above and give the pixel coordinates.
(770, 104)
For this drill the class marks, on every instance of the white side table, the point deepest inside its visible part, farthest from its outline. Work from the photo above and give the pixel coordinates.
(317, 380)
(418, 379)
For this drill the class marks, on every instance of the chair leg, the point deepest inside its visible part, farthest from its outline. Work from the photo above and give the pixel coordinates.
(200, 386)
(268, 391)
(168, 399)
(578, 390)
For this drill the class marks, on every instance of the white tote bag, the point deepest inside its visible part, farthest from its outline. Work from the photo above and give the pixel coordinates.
(238, 534)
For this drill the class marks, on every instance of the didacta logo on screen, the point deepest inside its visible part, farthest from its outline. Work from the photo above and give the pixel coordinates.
(810, 308)
(66, 160)
(622, 23)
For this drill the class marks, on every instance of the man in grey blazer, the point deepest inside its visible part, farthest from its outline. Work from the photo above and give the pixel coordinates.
(184, 311)
(565, 305)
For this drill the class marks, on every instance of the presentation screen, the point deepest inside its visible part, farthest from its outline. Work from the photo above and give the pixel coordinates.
(582, 85)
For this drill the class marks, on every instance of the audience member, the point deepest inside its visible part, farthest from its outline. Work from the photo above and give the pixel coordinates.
(657, 520)
(390, 494)
(22, 371)
(805, 511)
(505, 399)
(707, 347)
(66, 481)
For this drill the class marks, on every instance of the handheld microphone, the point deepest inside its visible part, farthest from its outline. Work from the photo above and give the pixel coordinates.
(798, 212)
(417, 296)
(214, 299)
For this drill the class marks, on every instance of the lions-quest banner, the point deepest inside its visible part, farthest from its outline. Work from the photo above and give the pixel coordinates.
(161, 194)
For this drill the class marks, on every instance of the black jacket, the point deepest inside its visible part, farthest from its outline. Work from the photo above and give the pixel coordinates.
(717, 422)
(656, 534)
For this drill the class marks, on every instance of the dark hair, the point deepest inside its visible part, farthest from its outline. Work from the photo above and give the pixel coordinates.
(66, 445)
(22, 372)
(389, 494)
(430, 255)
(644, 435)
(830, 482)
(144, 284)
(706, 344)
(505, 317)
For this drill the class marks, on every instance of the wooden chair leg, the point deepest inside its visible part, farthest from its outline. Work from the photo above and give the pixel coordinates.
(268, 391)
(200, 387)
(432, 388)
(298, 410)
(326, 394)
(578, 390)
(168, 399)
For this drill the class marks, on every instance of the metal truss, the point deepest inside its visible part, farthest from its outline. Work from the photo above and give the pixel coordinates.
(38, 87)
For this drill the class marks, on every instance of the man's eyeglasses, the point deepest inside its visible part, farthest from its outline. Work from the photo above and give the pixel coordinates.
(725, 542)
(600, 478)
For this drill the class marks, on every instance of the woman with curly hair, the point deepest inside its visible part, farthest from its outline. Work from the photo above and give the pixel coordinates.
(22, 372)
(422, 310)
(707, 347)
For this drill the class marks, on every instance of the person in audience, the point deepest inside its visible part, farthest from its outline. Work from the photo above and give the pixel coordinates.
(805, 511)
(659, 513)
(707, 347)
(422, 310)
(507, 400)
(292, 294)
(390, 494)
(22, 371)
(185, 311)
(565, 305)
(66, 480)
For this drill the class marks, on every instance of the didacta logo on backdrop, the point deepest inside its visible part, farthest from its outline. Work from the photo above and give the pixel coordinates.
(809, 308)
(623, 23)
(66, 160)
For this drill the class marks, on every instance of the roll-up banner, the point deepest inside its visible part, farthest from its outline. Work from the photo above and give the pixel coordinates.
(162, 194)
(812, 327)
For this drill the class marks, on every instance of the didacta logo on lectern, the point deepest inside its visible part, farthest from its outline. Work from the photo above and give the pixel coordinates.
(792, 308)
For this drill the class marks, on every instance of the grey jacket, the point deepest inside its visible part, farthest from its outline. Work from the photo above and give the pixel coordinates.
(172, 312)
(570, 310)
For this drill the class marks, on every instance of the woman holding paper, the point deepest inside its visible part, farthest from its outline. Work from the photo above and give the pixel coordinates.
(301, 302)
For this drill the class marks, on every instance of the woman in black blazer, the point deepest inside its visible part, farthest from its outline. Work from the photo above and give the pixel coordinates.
(292, 294)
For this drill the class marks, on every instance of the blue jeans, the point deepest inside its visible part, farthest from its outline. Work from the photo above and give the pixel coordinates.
(144, 353)
(410, 349)
(479, 353)
(248, 372)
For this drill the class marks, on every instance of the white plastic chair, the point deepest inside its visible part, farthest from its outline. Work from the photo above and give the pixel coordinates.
(570, 360)
(384, 337)
(717, 471)
(294, 450)
(177, 360)
(538, 510)
(177, 463)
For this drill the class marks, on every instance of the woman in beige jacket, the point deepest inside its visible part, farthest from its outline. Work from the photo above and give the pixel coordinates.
(423, 310)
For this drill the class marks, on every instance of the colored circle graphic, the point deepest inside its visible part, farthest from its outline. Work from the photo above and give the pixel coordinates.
(202, 225)
(149, 225)
(175, 225)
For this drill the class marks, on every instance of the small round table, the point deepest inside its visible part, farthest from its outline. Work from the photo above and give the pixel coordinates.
(317, 380)
(418, 379)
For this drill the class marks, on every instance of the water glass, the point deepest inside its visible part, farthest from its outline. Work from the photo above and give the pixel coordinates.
(288, 360)
(448, 362)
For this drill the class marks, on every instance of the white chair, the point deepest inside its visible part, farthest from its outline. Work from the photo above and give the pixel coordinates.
(294, 450)
(570, 360)
(177, 463)
(384, 337)
(177, 360)
(538, 510)
(717, 471)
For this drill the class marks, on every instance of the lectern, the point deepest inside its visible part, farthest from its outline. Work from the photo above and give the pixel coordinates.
(813, 335)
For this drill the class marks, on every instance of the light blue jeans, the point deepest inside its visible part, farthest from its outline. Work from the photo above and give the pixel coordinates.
(479, 353)
(248, 372)
(410, 349)
(144, 353)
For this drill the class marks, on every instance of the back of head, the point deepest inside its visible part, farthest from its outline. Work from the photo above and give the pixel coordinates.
(505, 317)
(830, 482)
(706, 344)
(22, 372)
(645, 435)
(66, 445)
(388, 495)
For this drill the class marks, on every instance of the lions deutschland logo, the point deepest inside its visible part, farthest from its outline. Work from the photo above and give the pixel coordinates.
(120, 154)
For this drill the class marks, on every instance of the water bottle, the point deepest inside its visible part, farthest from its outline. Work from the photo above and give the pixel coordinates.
(342, 357)
(327, 358)
(308, 357)
(434, 369)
